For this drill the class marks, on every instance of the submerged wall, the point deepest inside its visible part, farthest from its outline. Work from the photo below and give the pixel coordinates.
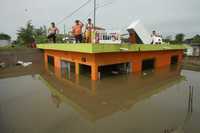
(95, 60)
(11, 56)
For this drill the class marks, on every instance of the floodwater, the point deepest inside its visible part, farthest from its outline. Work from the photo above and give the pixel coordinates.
(161, 101)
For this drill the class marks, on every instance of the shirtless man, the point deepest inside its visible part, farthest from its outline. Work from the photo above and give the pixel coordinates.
(52, 31)
(77, 31)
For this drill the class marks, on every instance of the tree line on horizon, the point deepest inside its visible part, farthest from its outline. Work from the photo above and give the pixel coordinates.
(180, 39)
(29, 34)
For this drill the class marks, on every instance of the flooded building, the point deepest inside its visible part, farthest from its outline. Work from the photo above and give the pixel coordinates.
(98, 58)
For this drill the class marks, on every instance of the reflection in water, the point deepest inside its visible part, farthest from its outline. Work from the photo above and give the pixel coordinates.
(56, 100)
(155, 101)
(188, 116)
(102, 98)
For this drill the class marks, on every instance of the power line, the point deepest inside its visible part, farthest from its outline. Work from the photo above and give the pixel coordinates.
(95, 4)
(100, 6)
(75, 11)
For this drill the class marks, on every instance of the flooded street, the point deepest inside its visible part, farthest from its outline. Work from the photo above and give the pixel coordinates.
(162, 101)
(99, 66)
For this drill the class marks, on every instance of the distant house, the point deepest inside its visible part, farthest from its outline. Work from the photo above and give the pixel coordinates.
(195, 49)
(4, 43)
(188, 41)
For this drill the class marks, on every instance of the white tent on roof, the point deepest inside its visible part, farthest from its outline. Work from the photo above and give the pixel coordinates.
(140, 31)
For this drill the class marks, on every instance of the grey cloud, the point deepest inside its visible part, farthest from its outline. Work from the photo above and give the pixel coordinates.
(167, 16)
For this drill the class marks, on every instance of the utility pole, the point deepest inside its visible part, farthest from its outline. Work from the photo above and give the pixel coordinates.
(95, 13)
(64, 29)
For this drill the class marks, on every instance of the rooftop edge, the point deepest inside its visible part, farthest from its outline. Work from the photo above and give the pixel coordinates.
(104, 48)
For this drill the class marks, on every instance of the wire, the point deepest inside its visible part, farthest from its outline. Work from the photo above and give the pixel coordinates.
(100, 6)
(75, 11)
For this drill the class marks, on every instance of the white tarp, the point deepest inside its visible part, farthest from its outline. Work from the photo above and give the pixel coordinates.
(141, 32)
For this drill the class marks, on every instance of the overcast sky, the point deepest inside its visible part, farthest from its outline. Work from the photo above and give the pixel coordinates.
(166, 16)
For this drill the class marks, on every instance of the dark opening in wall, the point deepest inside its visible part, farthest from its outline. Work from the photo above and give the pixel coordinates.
(68, 70)
(115, 69)
(85, 70)
(148, 64)
(174, 60)
(50, 60)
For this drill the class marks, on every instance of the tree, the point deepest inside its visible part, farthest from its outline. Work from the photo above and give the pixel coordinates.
(25, 35)
(41, 35)
(168, 39)
(179, 38)
(59, 38)
(42, 30)
(29, 34)
(196, 39)
(4, 36)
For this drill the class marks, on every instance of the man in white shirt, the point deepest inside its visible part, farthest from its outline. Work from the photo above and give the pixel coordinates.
(156, 39)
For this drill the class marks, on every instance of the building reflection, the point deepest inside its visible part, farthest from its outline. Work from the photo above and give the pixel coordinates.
(188, 117)
(98, 99)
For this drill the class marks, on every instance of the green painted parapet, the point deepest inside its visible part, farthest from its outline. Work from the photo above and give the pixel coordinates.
(86, 48)
(104, 48)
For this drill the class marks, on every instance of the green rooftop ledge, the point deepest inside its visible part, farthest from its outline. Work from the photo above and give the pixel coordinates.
(104, 48)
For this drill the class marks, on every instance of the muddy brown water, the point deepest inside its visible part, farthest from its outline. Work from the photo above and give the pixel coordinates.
(34, 100)
(10, 57)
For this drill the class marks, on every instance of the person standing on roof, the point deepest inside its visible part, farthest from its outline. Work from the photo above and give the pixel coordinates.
(88, 31)
(156, 38)
(153, 36)
(52, 31)
(77, 31)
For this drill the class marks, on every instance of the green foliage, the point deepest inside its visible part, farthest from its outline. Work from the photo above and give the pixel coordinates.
(41, 31)
(41, 39)
(4, 36)
(196, 39)
(179, 38)
(25, 34)
(59, 38)
(29, 34)
(41, 35)
(168, 39)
